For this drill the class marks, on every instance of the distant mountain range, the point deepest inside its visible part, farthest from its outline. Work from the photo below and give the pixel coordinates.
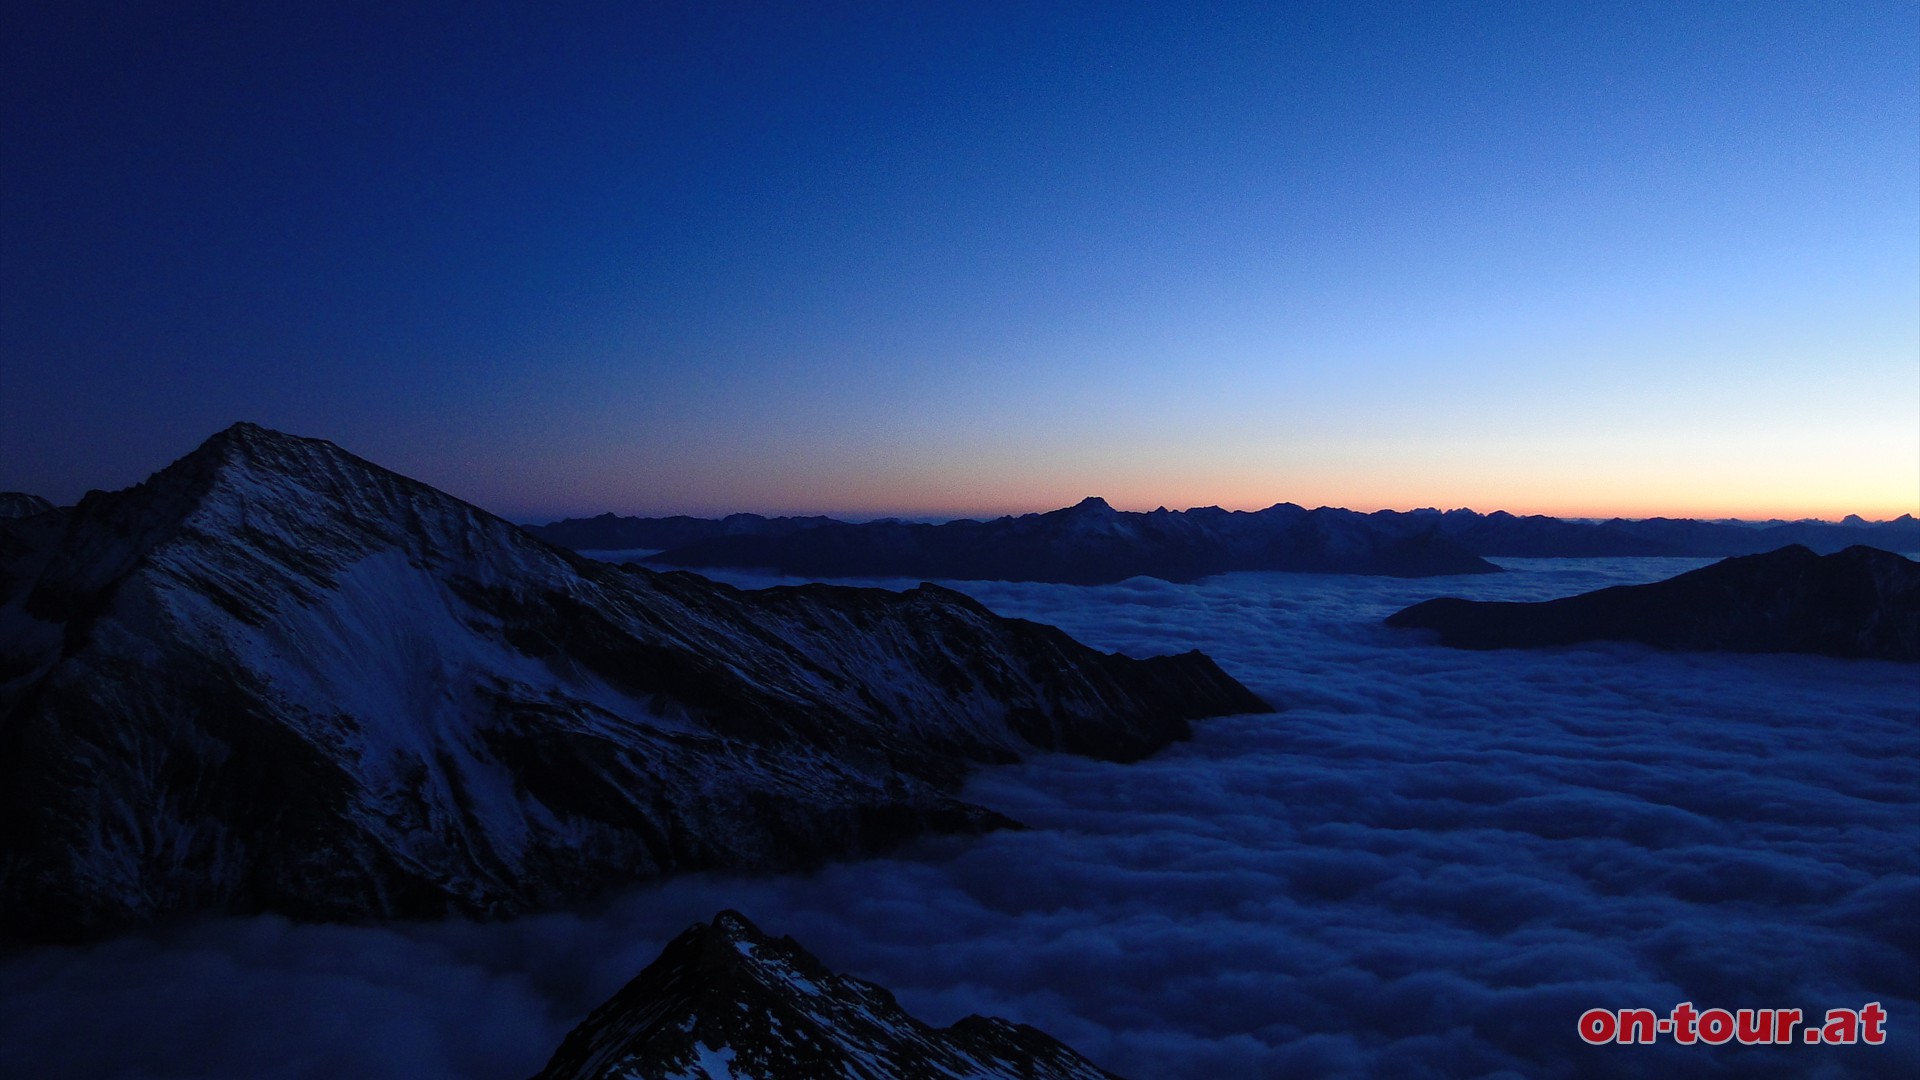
(1086, 544)
(275, 677)
(1501, 533)
(610, 533)
(1091, 543)
(1861, 602)
(725, 1000)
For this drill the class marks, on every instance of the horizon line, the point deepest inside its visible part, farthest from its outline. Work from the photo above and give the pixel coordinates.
(863, 516)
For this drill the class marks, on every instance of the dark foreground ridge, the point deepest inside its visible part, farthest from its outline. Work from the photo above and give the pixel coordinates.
(724, 1000)
(275, 677)
(1861, 602)
(1091, 544)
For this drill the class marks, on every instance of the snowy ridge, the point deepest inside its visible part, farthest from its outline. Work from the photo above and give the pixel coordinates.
(277, 677)
(725, 1001)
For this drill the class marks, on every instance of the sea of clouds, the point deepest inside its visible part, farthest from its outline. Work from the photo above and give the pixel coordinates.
(1429, 863)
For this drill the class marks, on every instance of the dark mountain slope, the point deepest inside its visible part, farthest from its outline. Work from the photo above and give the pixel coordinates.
(1859, 603)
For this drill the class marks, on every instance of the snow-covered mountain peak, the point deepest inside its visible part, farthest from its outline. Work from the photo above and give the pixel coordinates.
(257, 477)
(275, 676)
(256, 522)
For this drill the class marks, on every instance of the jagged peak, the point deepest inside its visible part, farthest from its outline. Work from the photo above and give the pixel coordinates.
(249, 454)
(247, 429)
(773, 1009)
(243, 444)
(733, 941)
(285, 505)
(1093, 504)
(734, 924)
(246, 440)
(731, 928)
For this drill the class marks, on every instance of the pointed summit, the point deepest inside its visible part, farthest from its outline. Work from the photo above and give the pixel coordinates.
(266, 452)
(1094, 504)
(246, 439)
(255, 519)
(724, 999)
(246, 430)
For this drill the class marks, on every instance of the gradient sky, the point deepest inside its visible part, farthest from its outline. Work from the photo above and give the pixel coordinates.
(964, 258)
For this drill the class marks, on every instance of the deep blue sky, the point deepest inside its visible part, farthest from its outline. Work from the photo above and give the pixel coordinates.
(973, 257)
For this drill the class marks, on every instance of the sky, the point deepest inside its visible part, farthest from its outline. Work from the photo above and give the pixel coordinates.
(977, 258)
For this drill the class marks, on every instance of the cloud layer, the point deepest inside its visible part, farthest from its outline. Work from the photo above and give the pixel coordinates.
(1428, 865)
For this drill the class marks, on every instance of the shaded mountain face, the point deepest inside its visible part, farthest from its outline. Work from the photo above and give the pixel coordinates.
(724, 1000)
(277, 677)
(1091, 543)
(610, 533)
(19, 504)
(1860, 602)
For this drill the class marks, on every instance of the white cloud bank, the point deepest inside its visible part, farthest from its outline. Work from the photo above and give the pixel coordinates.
(1428, 865)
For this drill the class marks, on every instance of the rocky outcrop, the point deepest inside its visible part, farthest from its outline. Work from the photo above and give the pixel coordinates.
(724, 1000)
(1860, 602)
(275, 677)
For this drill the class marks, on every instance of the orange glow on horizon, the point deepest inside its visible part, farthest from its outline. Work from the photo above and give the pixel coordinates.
(939, 502)
(1743, 513)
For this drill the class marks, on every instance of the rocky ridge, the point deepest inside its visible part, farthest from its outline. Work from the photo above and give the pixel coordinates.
(724, 1000)
(276, 677)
